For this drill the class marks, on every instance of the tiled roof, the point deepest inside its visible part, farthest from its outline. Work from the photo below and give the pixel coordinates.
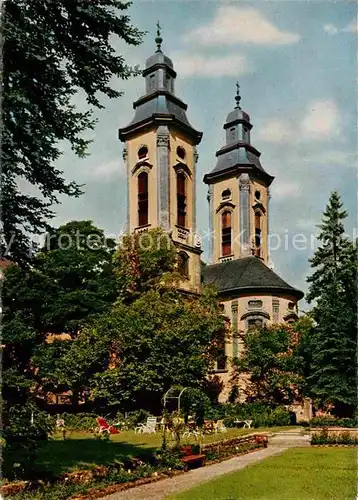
(246, 274)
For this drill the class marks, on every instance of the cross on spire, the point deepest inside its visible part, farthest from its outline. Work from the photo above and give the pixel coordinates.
(238, 96)
(158, 39)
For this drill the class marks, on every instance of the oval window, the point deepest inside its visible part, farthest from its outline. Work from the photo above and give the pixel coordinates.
(181, 152)
(142, 152)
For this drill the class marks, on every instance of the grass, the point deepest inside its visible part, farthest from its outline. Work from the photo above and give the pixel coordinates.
(81, 450)
(299, 474)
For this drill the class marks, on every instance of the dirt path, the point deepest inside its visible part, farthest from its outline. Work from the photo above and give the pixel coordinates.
(159, 490)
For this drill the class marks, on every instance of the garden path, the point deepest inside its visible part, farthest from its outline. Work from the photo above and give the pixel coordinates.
(159, 490)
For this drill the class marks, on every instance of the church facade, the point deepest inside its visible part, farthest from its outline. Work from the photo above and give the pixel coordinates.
(160, 152)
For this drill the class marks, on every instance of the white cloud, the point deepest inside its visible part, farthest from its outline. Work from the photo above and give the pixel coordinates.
(322, 120)
(332, 29)
(286, 189)
(107, 170)
(333, 157)
(188, 64)
(276, 130)
(232, 25)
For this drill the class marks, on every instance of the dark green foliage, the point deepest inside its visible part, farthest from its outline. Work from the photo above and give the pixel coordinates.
(272, 363)
(261, 415)
(329, 421)
(63, 290)
(332, 370)
(78, 421)
(23, 440)
(161, 339)
(52, 51)
(196, 403)
(144, 261)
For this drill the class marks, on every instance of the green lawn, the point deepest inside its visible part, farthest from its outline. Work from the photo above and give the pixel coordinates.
(81, 450)
(297, 474)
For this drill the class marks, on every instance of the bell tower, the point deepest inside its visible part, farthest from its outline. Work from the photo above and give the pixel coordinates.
(238, 194)
(161, 157)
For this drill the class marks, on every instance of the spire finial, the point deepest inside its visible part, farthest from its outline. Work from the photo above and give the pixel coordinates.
(158, 39)
(238, 96)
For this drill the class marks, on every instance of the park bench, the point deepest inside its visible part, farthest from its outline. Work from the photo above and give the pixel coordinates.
(191, 459)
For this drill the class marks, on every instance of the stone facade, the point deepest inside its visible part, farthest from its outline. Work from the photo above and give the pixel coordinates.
(161, 142)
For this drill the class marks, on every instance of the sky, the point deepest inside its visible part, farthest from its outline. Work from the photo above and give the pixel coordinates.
(296, 64)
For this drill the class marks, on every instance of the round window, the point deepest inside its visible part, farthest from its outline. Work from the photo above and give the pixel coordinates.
(181, 152)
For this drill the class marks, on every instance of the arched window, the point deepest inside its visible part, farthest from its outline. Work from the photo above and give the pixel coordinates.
(142, 152)
(257, 250)
(226, 233)
(142, 199)
(181, 199)
(183, 264)
(226, 195)
(254, 323)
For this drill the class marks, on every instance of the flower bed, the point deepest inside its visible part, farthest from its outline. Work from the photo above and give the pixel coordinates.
(127, 473)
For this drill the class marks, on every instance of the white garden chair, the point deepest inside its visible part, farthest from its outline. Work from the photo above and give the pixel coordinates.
(220, 426)
(148, 428)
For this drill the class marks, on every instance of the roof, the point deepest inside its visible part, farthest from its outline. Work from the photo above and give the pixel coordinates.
(158, 58)
(245, 275)
(160, 106)
(240, 157)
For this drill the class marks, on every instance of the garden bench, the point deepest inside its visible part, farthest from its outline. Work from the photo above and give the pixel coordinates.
(190, 458)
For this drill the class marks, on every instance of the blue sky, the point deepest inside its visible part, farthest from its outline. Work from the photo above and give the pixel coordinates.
(296, 63)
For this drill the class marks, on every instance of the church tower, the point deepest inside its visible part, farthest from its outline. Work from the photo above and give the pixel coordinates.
(160, 155)
(252, 295)
(238, 194)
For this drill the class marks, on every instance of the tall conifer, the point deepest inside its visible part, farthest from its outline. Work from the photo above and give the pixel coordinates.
(333, 287)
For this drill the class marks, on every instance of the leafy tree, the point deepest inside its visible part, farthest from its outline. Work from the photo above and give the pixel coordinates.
(332, 378)
(52, 51)
(143, 261)
(71, 281)
(271, 365)
(161, 339)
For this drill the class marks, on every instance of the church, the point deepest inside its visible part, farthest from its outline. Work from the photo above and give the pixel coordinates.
(160, 153)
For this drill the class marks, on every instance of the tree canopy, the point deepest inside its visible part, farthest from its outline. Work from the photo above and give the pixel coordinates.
(271, 364)
(71, 280)
(333, 287)
(52, 51)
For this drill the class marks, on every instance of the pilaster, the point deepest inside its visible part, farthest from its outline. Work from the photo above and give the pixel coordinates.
(235, 327)
(125, 159)
(195, 161)
(210, 198)
(163, 176)
(244, 214)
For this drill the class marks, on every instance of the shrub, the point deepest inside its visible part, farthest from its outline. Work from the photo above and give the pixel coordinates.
(23, 440)
(134, 418)
(78, 421)
(323, 437)
(330, 421)
(196, 403)
(261, 414)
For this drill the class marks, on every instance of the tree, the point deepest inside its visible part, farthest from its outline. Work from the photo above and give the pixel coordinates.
(70, 282)
(143, 261)
(52, 51)
(161, 339)
(271, 365)
(332, 378)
